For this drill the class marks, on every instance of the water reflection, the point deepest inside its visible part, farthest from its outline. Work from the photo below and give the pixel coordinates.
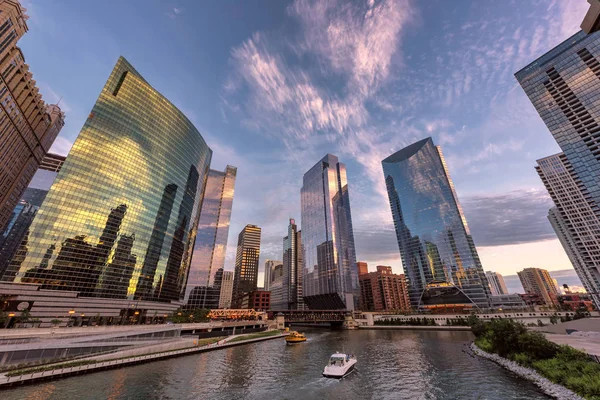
(391, 365)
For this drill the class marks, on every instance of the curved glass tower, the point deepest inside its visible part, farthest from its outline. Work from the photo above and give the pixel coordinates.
(121, 217)
(438, 253)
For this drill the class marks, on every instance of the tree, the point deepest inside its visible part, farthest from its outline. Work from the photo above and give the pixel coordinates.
(55, 322)
(3, 318)
(554, 319)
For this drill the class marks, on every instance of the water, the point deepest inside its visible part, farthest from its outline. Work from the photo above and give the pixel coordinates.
(391, 365)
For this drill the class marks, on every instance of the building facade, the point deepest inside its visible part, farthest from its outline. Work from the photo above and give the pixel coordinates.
(120, 219)
(208, 257)
(269, 266)
(293, 267)
(258, 300)
(28, 126)
(573, 219)
(226, 290)
(384, 291)
(330, 279)
(537, 281)
(438, 254)
(497, 285)
(246, 263)
(363, 268)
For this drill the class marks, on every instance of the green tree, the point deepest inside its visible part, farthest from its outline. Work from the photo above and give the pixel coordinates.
(55, 322)
(504, 334)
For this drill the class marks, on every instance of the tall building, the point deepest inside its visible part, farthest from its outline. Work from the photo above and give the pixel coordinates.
(226, 290)
(269, 267)
(497, 285)
(246, 264)
(120, 219)
(538, 282)
(28, 126)
(276, 288)
(210, 247)
(587, 276)
(574, 220)
(293, 268)
(363, 268)
(330, 279)
(384, 291)
(438, 254)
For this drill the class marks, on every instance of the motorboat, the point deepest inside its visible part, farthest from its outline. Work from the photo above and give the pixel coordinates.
(339, 365)
(295, 337)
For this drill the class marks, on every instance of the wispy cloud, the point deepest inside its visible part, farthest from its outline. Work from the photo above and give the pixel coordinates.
(174, 12)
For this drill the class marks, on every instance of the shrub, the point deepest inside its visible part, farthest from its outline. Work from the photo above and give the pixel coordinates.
(536, 346)
(522, 359)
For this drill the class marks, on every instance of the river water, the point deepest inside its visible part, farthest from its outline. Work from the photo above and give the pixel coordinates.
(391, 365)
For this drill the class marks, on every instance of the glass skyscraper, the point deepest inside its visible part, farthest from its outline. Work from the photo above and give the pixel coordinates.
(438, 254)
(330, 279)
(120, 219)
(292, 268)
(246, 264)
(204, 281)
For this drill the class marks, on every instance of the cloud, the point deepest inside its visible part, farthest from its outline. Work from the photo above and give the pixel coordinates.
(174, 12)
(510, 218)
(51, 97)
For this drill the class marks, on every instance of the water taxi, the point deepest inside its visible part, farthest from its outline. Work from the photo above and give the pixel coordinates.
(339, 365)
(295, 337)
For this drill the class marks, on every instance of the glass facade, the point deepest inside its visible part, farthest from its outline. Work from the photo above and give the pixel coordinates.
(211, 240)
(330, 279)
(438, 254)
(292, 268)
(246, 264)
(121, 216)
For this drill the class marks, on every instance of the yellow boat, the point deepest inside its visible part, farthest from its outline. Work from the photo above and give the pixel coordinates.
(295, 337)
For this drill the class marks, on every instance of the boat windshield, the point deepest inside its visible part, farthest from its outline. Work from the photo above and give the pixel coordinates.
(336, 360)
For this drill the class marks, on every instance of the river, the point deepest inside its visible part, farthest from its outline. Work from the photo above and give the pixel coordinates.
(391, 365)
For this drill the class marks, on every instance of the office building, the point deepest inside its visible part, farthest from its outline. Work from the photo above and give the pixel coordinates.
(363, 268)
(330, 278)
(258, 300)
(120, 219)
(226, 290)
(505, 302)
(276, 288)
(438, 254)
(537, 281)
(293, 268)
(208, 256)
(246, 264)
(28, 126)
(270, 265)
(496, 282)
(574, 220)
(383, 291)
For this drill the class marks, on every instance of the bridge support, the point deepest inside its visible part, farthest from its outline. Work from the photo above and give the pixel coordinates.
(280, 321)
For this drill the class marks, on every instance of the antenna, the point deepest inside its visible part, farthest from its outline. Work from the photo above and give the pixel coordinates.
(59, 100)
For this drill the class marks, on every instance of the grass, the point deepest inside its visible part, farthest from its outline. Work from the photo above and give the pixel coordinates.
(254, 336)
(563, 365)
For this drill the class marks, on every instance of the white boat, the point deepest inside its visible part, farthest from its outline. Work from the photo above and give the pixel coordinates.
(339, 365)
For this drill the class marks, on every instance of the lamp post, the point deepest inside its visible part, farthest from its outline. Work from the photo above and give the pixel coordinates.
(10, 316)
(70, 312)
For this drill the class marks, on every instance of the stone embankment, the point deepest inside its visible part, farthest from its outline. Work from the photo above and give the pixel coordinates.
(548, 387)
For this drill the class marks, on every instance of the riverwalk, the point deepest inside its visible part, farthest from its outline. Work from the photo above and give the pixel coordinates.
(417, 328)
(62, 372)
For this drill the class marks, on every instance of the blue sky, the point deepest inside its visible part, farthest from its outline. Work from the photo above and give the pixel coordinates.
(273, 86)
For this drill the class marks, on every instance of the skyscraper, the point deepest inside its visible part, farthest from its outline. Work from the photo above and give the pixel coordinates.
(438, 254)
(269, 266)
(539, 282)
(497, 285)
(330, 279)
(246, 264)
(574, 220)
(211, 240)
(363, 268)
(292, 268)
(121, 217)
(28, 126)
(226, 290)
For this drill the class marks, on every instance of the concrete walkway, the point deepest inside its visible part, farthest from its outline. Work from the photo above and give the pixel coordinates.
(590, 345)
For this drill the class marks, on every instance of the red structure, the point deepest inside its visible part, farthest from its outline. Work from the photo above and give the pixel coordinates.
(259, 300)
(574, 302)
(383, 291)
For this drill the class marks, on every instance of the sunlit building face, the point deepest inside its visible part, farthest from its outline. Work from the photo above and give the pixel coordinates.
(437, 250)
(121, 218)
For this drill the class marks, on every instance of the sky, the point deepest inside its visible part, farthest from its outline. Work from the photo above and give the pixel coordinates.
(273, 86)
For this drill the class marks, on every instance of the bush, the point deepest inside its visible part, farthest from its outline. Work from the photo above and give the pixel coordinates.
(522, 359)
(536, 346)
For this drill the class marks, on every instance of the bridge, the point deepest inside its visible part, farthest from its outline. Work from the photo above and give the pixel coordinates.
(333, 317)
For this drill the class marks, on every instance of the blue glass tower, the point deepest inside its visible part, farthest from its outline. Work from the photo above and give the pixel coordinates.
(438, 253)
